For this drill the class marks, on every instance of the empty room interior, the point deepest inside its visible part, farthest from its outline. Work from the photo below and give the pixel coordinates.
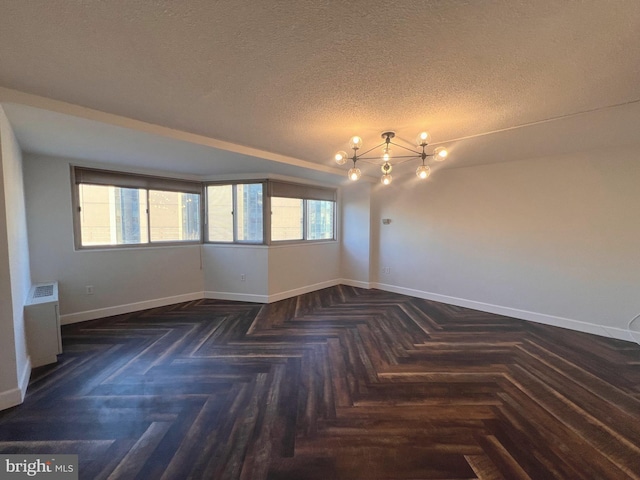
(321, 239)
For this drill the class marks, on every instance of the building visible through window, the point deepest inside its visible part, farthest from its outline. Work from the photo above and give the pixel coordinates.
(111, 213)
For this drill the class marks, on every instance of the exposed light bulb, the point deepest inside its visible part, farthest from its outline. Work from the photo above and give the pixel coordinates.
(354, 174)
(341, 157)
(386, 167)
(386, 153)
(423, 138)
(386, 179)
(440, 154)
(423, 171)
(355, 142)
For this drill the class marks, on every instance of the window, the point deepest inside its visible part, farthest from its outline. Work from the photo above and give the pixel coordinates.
(301, 212)
(249, 221)
(220, 213)
(121, 209)
(125, 209)
(235, 213)
(174, 216)
(320, 219)
(287, 218)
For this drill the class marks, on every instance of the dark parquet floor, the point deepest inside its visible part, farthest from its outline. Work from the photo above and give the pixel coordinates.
(342, 383)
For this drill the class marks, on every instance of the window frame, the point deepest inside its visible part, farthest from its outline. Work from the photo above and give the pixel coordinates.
(107, 178)
(334, 232)
(269, 187)
(304, 192)
(234, 207)
(305, 227)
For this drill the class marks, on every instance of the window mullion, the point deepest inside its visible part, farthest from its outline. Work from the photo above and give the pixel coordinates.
(204, 215)
(305, 204)
(148, 217)
(266, 216)
(234, 208)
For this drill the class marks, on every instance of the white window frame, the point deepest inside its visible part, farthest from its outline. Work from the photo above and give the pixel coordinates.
(305, 193)
(92, 176)
(234, 209)
(274, 188)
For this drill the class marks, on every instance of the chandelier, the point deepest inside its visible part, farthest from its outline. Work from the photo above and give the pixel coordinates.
(385, 155)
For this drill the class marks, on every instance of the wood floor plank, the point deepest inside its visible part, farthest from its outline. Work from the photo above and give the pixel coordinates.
(341, 383)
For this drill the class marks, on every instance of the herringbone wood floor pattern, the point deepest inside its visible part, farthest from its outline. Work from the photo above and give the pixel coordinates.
(341, 383)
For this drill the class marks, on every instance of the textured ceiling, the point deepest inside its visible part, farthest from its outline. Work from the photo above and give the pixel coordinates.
(299, 77)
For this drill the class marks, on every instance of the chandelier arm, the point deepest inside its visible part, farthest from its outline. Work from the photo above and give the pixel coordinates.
(379, 161)
(417, 156)
(370, 150)
(409, 149)
(405, 160)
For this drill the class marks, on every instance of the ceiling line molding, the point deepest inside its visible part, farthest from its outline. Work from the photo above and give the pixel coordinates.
(8, 95)
(539, 122)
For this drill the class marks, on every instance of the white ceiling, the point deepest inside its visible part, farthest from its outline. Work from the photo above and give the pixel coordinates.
(51, 133)
(297, 78)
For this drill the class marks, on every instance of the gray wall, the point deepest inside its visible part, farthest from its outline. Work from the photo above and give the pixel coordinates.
(553, 239)
(127, 278)
(15, 280)
(356, 234)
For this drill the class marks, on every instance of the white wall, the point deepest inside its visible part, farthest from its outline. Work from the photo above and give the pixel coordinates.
(356, 234)
(301, 268)
(224, 265)
(136, 278)
(551, 239)
(270, 273)
(15, 280)
(123, 279)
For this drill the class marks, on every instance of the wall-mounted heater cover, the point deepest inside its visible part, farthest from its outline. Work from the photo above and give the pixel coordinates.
(42, 320)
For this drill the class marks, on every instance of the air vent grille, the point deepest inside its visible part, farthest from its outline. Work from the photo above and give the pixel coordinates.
(43, 291)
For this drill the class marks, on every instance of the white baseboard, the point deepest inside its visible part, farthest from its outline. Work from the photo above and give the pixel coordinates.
(302, 290)
(10, 398)
(15, 396)
(569, 323)
(23, 381)
(237, 297)
(127, 308)
(355, 283)
(274, 297)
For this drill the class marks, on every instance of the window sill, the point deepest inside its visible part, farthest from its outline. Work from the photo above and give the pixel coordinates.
(153, 246)
(301, 243)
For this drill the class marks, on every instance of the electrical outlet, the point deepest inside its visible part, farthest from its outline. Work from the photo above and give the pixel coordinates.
(386, 270)
(89, 289)
(243, 277)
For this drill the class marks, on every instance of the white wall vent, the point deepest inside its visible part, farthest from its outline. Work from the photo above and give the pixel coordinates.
(42, 319)
(43, 291)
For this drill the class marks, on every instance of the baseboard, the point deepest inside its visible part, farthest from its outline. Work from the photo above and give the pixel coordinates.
(15, 396)
(237, 297)
(355, 283)
(23, 381)
(7, 398)
(10, 398)
(302, 290)
(571, 324)
(127, 308)
(274, 297)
